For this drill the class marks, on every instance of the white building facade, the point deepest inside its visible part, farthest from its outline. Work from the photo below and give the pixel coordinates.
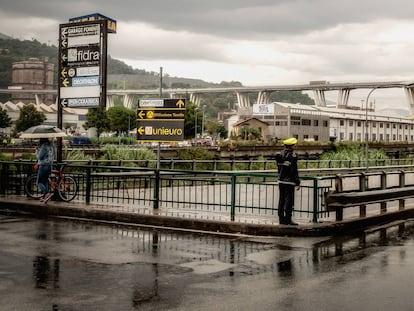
(306, 122)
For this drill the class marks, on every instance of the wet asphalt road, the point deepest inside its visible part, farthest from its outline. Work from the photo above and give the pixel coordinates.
(70, 265)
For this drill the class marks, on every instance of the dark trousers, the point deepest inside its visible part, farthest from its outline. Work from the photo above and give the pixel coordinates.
(286, 201)
(42, 178)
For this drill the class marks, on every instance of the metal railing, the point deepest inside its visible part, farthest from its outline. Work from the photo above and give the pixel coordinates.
(236, 194)
(239, 195)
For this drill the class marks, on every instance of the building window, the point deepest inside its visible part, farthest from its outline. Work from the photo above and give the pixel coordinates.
(374, 124)
(388, 125)
(341, 122)
(381, 137)
(381, 125)
(374, 137)
(351, 136)
(359, 123)
(358, 136)
(325, 123)
(341, 136)
(394, 126)
(316, 137)
(315, 122)
(306, 122)
(387, 137)
(351, 123)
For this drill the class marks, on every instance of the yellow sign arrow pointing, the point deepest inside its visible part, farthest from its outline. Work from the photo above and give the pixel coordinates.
(65, 82)
(63, 72)
(141, 114)
(141, 130)
(180, 104)
(64, 43)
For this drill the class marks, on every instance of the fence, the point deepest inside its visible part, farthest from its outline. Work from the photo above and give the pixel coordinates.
(238, 194)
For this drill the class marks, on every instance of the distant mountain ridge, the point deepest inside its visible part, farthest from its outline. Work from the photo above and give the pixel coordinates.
(120, 74)
(5, 37)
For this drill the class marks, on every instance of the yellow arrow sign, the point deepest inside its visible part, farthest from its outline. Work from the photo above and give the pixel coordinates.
(141, 130)
(64, 43)
(141, 114)
(63, 72)
(180, 104)
(65, 82)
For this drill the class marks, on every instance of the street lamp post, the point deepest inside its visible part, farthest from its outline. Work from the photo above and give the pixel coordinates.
(195, 125)
(202, 122)
(366, 134)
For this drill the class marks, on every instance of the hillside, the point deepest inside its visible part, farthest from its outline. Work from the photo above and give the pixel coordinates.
(120, 75)
(123, 76)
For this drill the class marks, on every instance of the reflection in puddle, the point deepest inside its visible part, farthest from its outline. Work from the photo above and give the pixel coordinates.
(147, 267)
(46, 272)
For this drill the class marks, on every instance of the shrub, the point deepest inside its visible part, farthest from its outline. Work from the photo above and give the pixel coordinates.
(136, 157)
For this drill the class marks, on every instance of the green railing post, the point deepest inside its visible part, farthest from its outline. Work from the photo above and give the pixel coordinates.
(88, 184)
(4, 174)
(233, 197)
(157, 189)
(315, 201)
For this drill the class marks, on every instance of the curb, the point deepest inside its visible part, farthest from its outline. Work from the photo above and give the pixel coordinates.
(88, 212)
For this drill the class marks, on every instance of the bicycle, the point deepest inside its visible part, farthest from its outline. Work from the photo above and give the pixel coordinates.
(65, 186)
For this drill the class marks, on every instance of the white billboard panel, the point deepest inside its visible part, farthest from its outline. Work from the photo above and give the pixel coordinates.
(80, 91)
(264, 109)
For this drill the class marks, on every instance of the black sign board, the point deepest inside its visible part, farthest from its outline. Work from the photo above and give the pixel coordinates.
(161, 120)
(82, 64)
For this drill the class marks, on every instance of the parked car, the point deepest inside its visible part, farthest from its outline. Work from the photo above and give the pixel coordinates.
(81, 140)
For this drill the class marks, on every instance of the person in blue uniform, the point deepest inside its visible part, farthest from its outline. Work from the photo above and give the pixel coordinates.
(45, 156)
(287, 164)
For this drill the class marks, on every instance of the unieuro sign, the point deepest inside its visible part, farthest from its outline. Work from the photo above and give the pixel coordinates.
(95, 17)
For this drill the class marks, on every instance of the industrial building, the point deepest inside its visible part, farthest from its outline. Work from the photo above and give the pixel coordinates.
(315, 123)
(32, 74)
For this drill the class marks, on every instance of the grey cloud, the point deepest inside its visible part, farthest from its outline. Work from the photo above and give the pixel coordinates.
(230, 18)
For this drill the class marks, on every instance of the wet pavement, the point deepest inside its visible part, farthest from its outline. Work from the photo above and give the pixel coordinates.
(50, 264)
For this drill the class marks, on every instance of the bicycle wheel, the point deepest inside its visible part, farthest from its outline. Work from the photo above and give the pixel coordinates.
(67, 188)
(31, 188)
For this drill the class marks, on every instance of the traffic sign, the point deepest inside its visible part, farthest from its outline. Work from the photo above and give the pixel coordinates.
(160, 120)
(160, 130)
(82, 63)
(160, 114)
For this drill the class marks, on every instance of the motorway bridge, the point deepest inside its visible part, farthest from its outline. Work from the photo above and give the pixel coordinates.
(263, 92)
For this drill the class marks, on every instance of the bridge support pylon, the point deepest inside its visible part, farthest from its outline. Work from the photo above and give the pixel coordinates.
(409, 93)
(243, 100)
(320, 98)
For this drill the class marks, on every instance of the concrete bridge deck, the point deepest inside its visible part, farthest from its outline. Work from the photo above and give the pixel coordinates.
(217, 223)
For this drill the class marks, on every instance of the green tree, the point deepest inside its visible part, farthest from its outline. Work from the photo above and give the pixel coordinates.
(121, 119)
(216, 128)
(192, 114)
(97, 117)
(5, 120)
(29, 117)
(249, 133)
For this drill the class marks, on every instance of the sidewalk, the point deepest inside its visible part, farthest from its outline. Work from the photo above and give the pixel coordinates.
(212, 222)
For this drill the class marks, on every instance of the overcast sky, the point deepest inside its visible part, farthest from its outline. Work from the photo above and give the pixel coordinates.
(256, 42)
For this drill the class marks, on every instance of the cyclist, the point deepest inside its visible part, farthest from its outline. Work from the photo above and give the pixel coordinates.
(45, 156)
